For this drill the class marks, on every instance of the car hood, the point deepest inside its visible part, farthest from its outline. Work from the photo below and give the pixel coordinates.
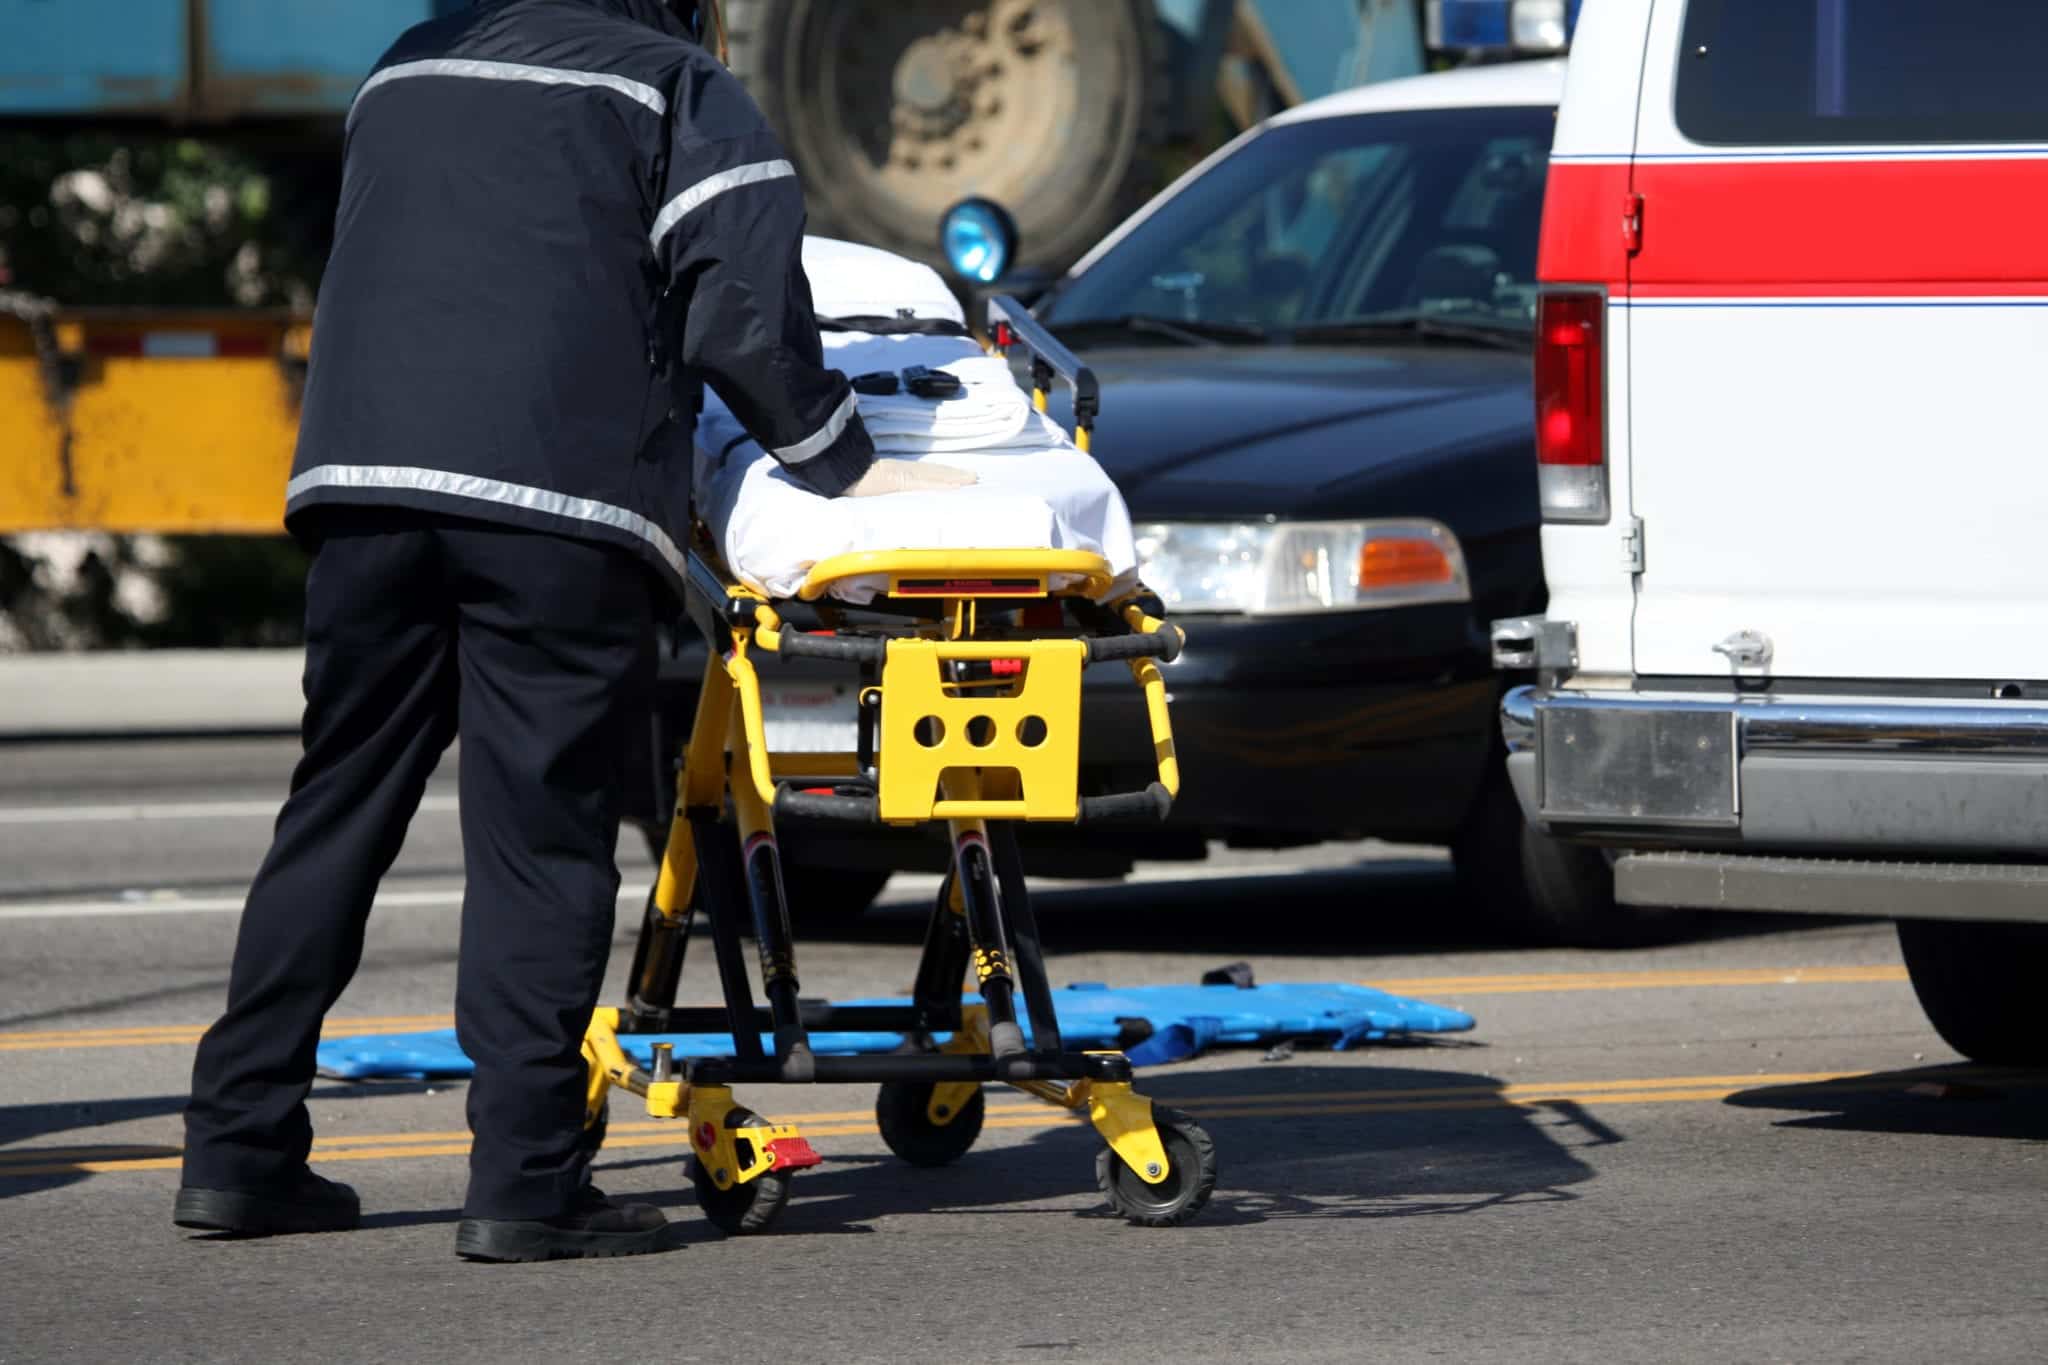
(1294, 431)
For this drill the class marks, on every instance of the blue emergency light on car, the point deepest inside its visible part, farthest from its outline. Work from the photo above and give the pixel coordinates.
(978, 238)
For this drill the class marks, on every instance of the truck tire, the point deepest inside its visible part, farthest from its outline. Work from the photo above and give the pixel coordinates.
(1980, 984)
(1545, 891)
(893, 110)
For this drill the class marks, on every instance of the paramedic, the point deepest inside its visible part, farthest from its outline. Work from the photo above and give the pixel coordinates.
(558, 218)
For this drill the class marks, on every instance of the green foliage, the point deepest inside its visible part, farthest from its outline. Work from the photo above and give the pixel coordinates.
(230, 592)
(154, 221)
(99, 219)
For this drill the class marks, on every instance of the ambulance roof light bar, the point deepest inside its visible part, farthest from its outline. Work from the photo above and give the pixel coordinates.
(1497, 29)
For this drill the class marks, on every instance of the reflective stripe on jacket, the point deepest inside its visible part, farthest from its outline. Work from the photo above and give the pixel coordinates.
(559, 218)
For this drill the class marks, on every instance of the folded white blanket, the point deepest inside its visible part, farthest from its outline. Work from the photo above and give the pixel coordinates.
(1036, 491)
(989, 411)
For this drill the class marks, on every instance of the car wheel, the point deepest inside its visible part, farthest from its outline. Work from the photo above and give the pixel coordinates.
(1543, 890)
(1979, 985)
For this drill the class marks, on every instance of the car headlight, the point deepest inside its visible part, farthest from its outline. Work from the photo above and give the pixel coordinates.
(1284, 567)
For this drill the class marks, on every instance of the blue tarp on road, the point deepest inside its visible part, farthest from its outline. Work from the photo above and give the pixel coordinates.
(1182, 1021)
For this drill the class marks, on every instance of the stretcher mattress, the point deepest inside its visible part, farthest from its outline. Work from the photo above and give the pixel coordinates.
(1035, 489)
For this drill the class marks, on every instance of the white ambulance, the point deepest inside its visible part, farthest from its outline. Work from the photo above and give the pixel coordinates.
(1792, 407)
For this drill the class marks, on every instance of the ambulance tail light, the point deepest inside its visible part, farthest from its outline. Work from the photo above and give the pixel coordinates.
(1571, 407)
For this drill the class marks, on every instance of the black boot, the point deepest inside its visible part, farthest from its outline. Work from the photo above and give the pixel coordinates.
(312, 1204)
(593, 1226)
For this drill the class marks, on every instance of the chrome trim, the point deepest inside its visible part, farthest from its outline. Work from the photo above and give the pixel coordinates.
(1746, 649)
(1624, 766)
(1518, 719)
(1522, 643)
(1811, 725)
(2014, 892)
(709, 188)
(511, 71)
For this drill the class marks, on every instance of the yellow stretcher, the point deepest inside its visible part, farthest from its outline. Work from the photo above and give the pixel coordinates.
(969, 708)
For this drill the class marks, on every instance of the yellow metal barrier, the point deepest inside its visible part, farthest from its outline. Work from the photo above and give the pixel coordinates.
(149, 421)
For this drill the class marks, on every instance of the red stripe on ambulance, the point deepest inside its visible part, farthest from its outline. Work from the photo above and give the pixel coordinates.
(1830, 229)
(1583, 240)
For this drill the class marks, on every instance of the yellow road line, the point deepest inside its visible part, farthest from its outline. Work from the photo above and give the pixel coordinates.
(159, 1035)
(143, 1034)
(858, 1123)
(1566, 982)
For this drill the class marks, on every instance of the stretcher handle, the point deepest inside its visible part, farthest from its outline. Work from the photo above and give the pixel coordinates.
(1006, 314)
(795, 644)
(865, 810)
(1164, 644)
(1153, 804)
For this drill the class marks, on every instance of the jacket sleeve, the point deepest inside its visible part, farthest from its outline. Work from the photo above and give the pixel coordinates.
(729, 236)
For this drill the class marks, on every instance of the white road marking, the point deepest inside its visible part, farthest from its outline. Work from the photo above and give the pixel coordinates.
(170, 903)
(185, 810)
(904, 889)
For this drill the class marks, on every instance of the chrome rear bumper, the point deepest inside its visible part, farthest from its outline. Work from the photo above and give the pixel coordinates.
(1818, 775)
(1810, 724)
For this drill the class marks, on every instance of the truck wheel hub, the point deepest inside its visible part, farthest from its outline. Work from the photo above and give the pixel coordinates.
(925, 100)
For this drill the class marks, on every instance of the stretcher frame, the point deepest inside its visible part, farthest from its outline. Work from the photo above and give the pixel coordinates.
(968, 716)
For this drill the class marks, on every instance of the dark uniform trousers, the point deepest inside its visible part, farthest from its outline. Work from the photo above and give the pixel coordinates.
(537, 650)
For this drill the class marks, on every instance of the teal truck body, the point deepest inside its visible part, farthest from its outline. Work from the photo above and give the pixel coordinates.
(1070, 110)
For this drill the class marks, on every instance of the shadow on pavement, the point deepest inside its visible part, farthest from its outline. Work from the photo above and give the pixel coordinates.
(50, 1165)
(27, 1170)
(1961, 1100)
(1307, 1142)
(1395, 905)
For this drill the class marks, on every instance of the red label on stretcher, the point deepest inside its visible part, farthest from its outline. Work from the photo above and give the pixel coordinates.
(969, 587)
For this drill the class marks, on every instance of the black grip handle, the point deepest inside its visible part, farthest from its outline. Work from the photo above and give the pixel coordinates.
(1164, 644)
(1152, 804)
(862, 810)
(794, 644)
(1004, 311)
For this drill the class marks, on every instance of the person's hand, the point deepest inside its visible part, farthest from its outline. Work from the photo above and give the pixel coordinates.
(907, 476)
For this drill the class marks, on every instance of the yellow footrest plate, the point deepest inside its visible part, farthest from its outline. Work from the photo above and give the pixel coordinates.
(1020, 714)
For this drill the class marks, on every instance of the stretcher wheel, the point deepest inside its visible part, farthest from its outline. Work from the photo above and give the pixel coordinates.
(746, 1208)
(903, 1112)
(1188, 1184)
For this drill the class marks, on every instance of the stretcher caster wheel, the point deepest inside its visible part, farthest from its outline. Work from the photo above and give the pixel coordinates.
(1188, 1184)
(744, 1208)
(903, 1112)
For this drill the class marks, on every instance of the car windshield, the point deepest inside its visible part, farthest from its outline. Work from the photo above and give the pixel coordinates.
(1367, 229)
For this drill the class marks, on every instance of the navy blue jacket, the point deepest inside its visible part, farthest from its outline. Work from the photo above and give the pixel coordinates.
(558, 219)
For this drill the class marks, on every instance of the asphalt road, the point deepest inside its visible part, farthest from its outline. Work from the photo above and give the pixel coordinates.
(1748, 1146)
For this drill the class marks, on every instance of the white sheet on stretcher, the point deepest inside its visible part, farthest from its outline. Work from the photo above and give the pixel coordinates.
(1036, 490)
